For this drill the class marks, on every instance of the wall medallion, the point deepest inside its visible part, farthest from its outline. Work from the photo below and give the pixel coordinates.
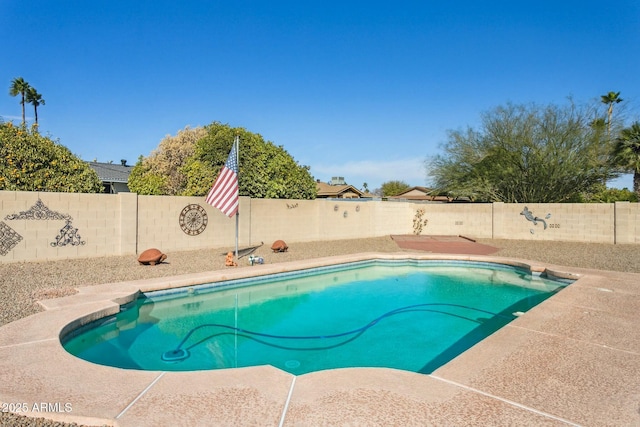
(193, 219)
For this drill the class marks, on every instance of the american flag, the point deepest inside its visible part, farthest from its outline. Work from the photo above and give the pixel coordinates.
(224, 193)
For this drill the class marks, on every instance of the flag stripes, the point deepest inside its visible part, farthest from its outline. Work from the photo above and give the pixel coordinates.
(224, 194)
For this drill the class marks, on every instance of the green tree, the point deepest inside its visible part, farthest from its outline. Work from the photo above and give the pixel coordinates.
(610, 99)
(626, 153)
(31, 162)
(35, 99)
(266, 170)
(20, 87)
(161, 172)
(144, 180)
(602, 194)
(524, 153)
(393, 188)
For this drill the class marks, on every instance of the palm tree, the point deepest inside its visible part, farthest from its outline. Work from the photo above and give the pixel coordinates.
(626, 153)
(19, 86)
(35, 99)
(610, 99)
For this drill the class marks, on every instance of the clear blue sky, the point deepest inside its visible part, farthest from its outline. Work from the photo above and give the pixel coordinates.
(361, 89)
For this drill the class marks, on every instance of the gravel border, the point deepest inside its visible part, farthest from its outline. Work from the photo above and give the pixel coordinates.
(598, 256)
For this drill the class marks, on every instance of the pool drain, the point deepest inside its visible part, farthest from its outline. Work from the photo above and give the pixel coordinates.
(175, 355)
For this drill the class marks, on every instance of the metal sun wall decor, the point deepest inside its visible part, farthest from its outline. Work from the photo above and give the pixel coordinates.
(68, 235)
(534, 219)
(193, 219)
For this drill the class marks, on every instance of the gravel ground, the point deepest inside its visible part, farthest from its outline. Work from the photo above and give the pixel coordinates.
(22, 284)
(598, 256)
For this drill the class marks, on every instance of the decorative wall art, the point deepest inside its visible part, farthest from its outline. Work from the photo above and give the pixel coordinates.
(534, 219)
(193, 219)
(39, 212)
(68, 235)
(419, 222)
(9, 238)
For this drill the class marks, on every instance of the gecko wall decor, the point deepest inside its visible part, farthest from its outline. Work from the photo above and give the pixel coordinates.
(530, 217)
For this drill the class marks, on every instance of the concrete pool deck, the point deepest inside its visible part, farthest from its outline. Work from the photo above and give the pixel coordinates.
(572, 360)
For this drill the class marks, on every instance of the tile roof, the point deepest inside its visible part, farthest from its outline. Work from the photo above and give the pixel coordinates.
(328, 190)
(421, 193)
(111, 172)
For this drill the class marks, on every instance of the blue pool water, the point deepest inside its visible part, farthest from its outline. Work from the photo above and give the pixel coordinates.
(410, 315)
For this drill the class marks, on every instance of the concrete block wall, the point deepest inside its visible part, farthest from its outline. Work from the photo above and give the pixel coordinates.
(49, 226)
(459, 219)
(627, 223)
(633, 235)
(390, 218)
(128, 216)
(344, 219)
(321, 219)
(282, 219)
(46, 226)
(569, 222)
(159, 224)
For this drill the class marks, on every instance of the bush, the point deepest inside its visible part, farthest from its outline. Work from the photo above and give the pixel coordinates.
(32, 162)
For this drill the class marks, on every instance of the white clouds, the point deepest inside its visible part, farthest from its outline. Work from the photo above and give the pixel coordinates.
(9, 118)
(374, 172)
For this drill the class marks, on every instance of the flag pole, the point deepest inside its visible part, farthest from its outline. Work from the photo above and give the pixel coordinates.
(225, 193)
(237, 143)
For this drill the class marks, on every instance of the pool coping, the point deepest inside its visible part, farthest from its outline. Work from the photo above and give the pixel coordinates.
(572, 360)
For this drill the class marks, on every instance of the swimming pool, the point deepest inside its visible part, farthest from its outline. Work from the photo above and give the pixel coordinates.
(410, 315)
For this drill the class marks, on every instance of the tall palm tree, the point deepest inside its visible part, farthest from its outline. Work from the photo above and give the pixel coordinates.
(626, 153)
(35, 99)
(19, 86)
(610, 99)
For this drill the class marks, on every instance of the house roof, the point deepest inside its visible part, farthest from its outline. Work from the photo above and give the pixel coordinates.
(110, 172)
(416, 190)
(328, 190)
(420, 193)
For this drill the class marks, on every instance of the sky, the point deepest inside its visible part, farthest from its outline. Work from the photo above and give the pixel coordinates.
(365, 90)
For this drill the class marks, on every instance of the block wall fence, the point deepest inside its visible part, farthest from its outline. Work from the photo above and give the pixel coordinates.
(38, 226)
